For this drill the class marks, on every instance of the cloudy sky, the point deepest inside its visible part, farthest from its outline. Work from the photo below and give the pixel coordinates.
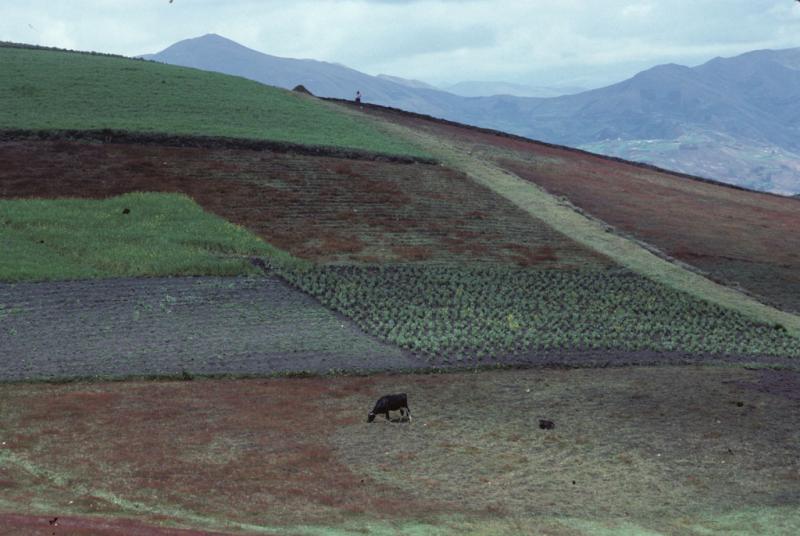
(539, 42)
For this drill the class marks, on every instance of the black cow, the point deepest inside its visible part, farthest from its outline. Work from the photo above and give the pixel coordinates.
(388, 403)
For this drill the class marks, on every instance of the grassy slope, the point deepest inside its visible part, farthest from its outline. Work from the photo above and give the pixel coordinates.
(163, 234)
(63, 90)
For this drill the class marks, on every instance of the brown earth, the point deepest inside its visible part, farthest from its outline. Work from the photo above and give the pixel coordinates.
(661, 447)
(322, 208)
(27, 525)
(738, 236)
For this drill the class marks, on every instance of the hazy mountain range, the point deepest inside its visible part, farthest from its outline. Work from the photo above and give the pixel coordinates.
(488, 89)
(732, 119)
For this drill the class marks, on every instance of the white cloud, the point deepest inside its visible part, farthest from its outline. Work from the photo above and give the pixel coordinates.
(442, 41)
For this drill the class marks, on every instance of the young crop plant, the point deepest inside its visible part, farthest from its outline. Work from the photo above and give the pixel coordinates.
(484, 313)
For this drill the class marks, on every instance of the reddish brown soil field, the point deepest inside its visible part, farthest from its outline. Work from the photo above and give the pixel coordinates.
(22, 525)
(735, 235)
(656, 446)
(317, 207)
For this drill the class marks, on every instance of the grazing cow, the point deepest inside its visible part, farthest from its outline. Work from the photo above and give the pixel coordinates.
(388, 403)
(546, 424)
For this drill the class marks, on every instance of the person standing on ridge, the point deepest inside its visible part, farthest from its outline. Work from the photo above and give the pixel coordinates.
(358, 97)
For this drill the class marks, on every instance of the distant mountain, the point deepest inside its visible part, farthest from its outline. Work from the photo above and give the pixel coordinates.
(731, 119)
(488, 89)
(215, 53)
(417, 84)
(734, 119)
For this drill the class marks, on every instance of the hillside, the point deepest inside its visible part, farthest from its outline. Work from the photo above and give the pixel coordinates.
(47, 89)
(643, 446)
(731, 119)
(736, 236)
(444, 260)
(274, 290)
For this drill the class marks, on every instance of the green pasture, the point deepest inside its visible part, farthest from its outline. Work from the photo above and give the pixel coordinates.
(45, 89)
(133, 235)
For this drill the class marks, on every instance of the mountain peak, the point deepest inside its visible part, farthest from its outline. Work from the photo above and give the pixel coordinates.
(211, 37)
(208, 42)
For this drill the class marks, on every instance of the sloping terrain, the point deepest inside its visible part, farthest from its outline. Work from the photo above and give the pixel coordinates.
(731, 119)
(455, 262)
(676, 450)
(51, 89)
(321, 208)
(337, 210)
(737, 236)
(332, 206)
(141, 234)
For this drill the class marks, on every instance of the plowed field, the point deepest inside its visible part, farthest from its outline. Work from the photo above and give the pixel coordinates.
(320, 208)
(116, 328)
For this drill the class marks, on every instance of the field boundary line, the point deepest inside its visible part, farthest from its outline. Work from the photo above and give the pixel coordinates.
(201, 141)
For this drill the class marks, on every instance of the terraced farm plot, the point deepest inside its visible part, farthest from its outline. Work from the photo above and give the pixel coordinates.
(456, 314)
(746, 238)
(116, 328)
(319, 208)
(673, 450)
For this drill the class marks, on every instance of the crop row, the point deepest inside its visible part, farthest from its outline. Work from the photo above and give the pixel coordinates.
(465, 313)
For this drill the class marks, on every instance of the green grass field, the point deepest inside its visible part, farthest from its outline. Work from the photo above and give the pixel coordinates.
(162, 234)
(45, 89)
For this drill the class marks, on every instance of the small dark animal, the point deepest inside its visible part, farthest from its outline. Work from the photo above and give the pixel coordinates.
(388, 403)
(544, 424)
(126, 211)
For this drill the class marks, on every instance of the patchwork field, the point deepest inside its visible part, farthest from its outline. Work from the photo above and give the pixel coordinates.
(691, 451)
(458, 275)
(739, 237)
(321, 240)
(323, 209)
